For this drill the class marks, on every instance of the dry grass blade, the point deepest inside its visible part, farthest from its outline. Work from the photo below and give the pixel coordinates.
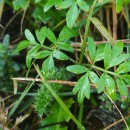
(102, 29)
(1, 8)
(15, 86)
(19, 120)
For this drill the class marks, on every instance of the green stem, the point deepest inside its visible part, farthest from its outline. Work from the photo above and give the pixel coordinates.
(48, 48)
(83, 50)
(59, 24)
(106, 71)
(86, 31)
(59, 100)
(81, 112)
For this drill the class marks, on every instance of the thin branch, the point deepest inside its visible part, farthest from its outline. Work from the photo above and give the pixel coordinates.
(8, 23)
(115, 123)
(21, 24)
(126, 41)
(63, 82)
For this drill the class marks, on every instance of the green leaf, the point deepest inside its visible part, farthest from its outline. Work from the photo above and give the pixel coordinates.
(6, 40)
(110, 87)
(49, 34)
(93, 77)
(77, 69)
(100, 52)
(57, 115)
(36, 1)
(30, 54)
(29, 36)
(42, 54)
(126, 78)
(57, 3)
(126, 2)
(51, 3)
(72, 15)
(83, 88)
(122, 87)
(101, 83)
(22, 45)
(119, 59)
(91, 48)
(102, 29)
(117, 49)
(48, 64)
(40, 35)
(48, 5)
(107, 55)
(65, 46)
(16, 5)
(123, 68)
(119, 4)
(66, 33)
(65, 4)
(83, 5)
(102, 2)
(60, 55)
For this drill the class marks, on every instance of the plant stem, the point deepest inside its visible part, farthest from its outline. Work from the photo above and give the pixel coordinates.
(103, 70)
(86, 31)
(59, 100)
(83, 50)
(81, 112)
(106, 71)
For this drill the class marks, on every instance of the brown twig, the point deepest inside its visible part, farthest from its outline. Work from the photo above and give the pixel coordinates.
(63, 82)
(126, 41)
(21, 24)
(8, 23)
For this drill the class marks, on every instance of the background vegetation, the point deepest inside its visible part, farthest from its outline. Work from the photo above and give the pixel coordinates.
(64, 64)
